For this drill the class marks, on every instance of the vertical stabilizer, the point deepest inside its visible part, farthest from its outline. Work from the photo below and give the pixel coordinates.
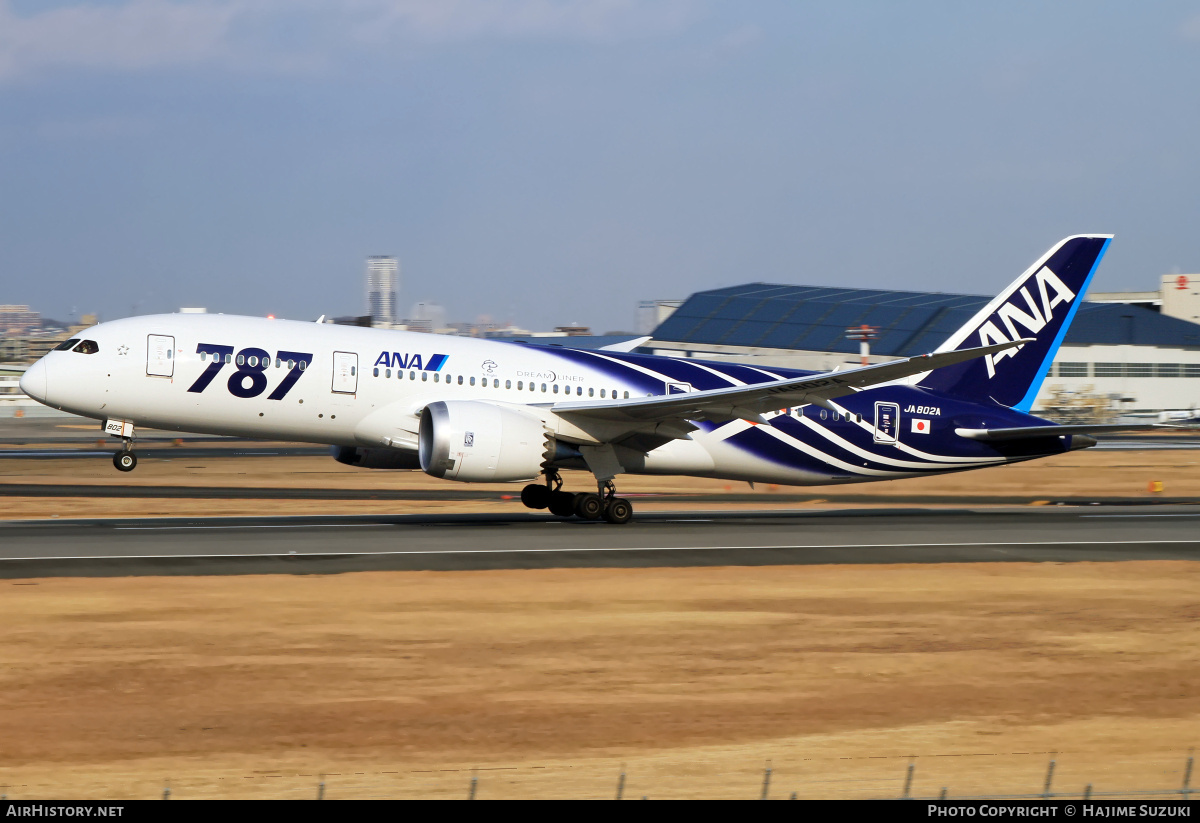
(1040, 304)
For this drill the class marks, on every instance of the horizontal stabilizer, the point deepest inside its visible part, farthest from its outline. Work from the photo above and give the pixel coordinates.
(1029, 432)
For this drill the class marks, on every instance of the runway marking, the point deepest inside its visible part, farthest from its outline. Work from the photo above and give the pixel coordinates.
(571, 550)
(272, 526)
(1139, 515)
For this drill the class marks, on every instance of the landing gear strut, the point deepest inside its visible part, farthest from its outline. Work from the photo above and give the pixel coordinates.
(617, 510)
(125, 460)
(586, 506)
(536, 496)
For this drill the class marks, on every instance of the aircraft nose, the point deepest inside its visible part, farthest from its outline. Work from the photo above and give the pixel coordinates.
(35, 382)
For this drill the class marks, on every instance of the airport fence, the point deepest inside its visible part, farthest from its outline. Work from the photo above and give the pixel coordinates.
(678, 782)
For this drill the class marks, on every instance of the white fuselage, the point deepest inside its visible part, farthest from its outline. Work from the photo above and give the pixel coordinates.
(359, 387)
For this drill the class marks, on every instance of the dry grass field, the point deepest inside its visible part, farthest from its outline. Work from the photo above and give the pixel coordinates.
(548, 683)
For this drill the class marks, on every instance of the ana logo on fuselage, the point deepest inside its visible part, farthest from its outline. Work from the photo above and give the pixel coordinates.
(397, 360)
(1051, 292)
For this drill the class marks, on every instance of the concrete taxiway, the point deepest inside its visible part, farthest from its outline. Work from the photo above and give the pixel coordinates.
(324, 545)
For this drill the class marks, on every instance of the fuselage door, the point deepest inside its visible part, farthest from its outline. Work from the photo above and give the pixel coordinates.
(160, 355)
(887, 422)
(345, 372)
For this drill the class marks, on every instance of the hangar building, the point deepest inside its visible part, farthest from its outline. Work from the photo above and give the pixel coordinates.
(1125, 352)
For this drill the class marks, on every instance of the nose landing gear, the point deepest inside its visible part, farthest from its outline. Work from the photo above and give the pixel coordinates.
(586, 506)
(125, 461)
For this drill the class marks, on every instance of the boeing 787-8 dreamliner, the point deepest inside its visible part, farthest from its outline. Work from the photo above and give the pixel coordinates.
(486, 411)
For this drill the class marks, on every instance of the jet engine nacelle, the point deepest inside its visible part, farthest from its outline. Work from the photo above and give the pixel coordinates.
(476, 441)
(376, 458)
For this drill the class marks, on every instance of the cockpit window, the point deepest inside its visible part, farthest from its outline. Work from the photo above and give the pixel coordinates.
(67, 344)
(87, 347)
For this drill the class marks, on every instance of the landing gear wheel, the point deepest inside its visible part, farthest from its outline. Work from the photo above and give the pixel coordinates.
(125, 461)
(562, 504)
(535, 496)
(589, 506)
(618, 511)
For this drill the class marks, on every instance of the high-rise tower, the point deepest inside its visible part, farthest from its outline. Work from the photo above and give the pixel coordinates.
(383, 282)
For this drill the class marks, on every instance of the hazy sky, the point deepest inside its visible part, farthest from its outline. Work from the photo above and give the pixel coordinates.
(551, 161)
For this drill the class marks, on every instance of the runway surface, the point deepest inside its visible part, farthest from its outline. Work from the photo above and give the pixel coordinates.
(326, 545)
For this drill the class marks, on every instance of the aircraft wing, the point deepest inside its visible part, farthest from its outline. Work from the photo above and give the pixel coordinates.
(1027, 432)
(749, 402)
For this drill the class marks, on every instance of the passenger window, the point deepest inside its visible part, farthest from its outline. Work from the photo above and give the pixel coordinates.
(579, 391)
(460, 380)
(591, 392)
(278, 362)
(303, 363)
(823, 414)
(90, 347)
(496, 383)
(626, 395)
(67, 344)
(556, 388)
(412, 375)
(376, 371)
(543, 388)
(508, 384)
(203, 356)
(387, 372)
(437, 378)
(84, 347)
(520, 385)
(354, 371)
(227, 358)
(858, 418)
(602, 393)
(241, 360)
(472, 381)
(424, 377)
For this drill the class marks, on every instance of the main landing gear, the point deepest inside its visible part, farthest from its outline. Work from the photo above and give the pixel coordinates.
(586, 505)
(125, 460)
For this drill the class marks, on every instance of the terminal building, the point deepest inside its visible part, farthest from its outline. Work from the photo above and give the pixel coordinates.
(1128, 352)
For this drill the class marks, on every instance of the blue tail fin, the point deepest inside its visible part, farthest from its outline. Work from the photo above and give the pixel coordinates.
(1040, 304)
